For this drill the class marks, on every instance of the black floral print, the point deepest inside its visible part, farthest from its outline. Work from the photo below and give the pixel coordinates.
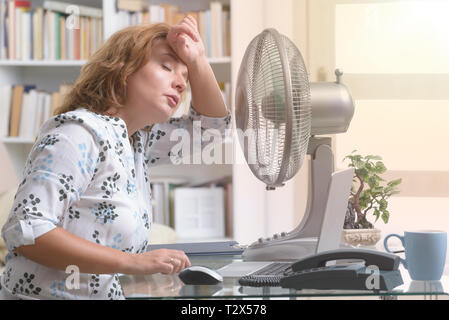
(48, 140)
(105, 145)
(66, 181)
(73, 214)
(105, 212)
(29, 207)
(119, 150)
(137, 145)
(62, 118)
(94, 283)
(115, 121)
(115, 291)
(146, 219)
(96, 236)
(110, 186)
(86, 178)
(155, 135)
(25, 285)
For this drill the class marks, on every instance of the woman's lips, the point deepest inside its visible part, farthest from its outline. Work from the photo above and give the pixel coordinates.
(172, 101)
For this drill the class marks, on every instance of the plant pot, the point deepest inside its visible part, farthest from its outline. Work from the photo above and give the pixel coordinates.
(364, 237)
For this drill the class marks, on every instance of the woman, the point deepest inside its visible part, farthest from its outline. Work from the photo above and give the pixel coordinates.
(84, 203)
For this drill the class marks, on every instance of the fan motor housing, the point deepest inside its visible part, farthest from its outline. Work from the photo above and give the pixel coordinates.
(332, 107)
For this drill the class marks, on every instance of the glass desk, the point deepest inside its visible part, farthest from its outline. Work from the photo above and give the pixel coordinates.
(159, 286)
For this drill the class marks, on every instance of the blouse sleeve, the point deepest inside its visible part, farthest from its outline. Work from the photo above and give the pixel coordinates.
(59, 168)
(174, 141)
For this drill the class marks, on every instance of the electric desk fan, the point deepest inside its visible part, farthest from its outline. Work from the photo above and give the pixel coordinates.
(276, 102)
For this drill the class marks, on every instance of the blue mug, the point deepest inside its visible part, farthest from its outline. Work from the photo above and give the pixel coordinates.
(425, 253)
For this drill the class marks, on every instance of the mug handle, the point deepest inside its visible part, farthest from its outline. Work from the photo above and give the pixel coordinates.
(388, 250)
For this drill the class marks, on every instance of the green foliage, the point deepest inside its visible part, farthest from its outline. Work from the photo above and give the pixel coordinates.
(369, 192)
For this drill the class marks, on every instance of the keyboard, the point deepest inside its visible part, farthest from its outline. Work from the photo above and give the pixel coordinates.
(268, 276)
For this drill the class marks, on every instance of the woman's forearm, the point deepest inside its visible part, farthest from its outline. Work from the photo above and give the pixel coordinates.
(206, 94)
(58, 248)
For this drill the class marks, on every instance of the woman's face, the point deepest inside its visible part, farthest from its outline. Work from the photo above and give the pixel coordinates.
(154, 91)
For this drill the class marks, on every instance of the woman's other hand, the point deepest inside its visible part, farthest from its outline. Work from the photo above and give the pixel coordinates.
(185, 40)
(165, 261)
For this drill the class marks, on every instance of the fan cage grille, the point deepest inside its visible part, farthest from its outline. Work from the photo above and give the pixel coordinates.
(267, 94)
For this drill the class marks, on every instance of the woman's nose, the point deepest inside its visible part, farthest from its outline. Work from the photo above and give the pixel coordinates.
(180, 83)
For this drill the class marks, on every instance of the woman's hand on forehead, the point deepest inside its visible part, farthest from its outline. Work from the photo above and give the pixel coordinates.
(185, 40)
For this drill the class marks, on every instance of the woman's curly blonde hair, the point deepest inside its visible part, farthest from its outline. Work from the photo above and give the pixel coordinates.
(102, 81)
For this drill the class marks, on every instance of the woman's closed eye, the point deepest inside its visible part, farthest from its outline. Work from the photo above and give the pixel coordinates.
(166, 67)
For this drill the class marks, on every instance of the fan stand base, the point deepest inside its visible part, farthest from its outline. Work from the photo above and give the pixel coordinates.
(304, 239)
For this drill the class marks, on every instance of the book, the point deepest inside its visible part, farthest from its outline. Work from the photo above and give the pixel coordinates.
(27, 35)
(25, 108)
(76, 44)
(57, 35)
(46, 34)
(131, 5)
(5, 109)
(51, 36)
(158, 203)
(16, 109)
(15, 8)
(55, 102)
(29, 114)
(157, 13)
(38, 30)
(62, 38)
(170, 13)
(199, 212)
(67, 8)
(216, 28)
(208, 43)
(229, 213)
(213, 22)
(203, 248)
(40, 111)
(3, 29)
(226, 29)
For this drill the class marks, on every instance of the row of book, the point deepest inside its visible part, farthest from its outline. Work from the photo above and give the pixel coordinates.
(50, 32)
(214, 23)
(23, 109)
(198, 212)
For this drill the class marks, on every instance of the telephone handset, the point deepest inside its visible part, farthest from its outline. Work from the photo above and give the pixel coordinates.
(382, 260)
(312, 273)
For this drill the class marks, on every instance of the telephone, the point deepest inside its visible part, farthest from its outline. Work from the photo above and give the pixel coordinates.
(312, 273)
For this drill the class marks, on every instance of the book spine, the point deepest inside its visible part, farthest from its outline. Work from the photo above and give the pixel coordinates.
(57, 30)
(29, 109)
(208, 43)
(16, 109)
(213, 23)
(2, 29)
(11, 31)
(62, 38)
(45, 34)
(26, 38)
(63, 7)
(76, 43)
(5, 103)
(52, 36)
(18, 33)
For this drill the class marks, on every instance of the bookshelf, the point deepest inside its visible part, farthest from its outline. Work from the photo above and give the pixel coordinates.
(48, 74)
(38, 63)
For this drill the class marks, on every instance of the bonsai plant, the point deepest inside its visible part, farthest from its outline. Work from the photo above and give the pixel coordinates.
(369, 192)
